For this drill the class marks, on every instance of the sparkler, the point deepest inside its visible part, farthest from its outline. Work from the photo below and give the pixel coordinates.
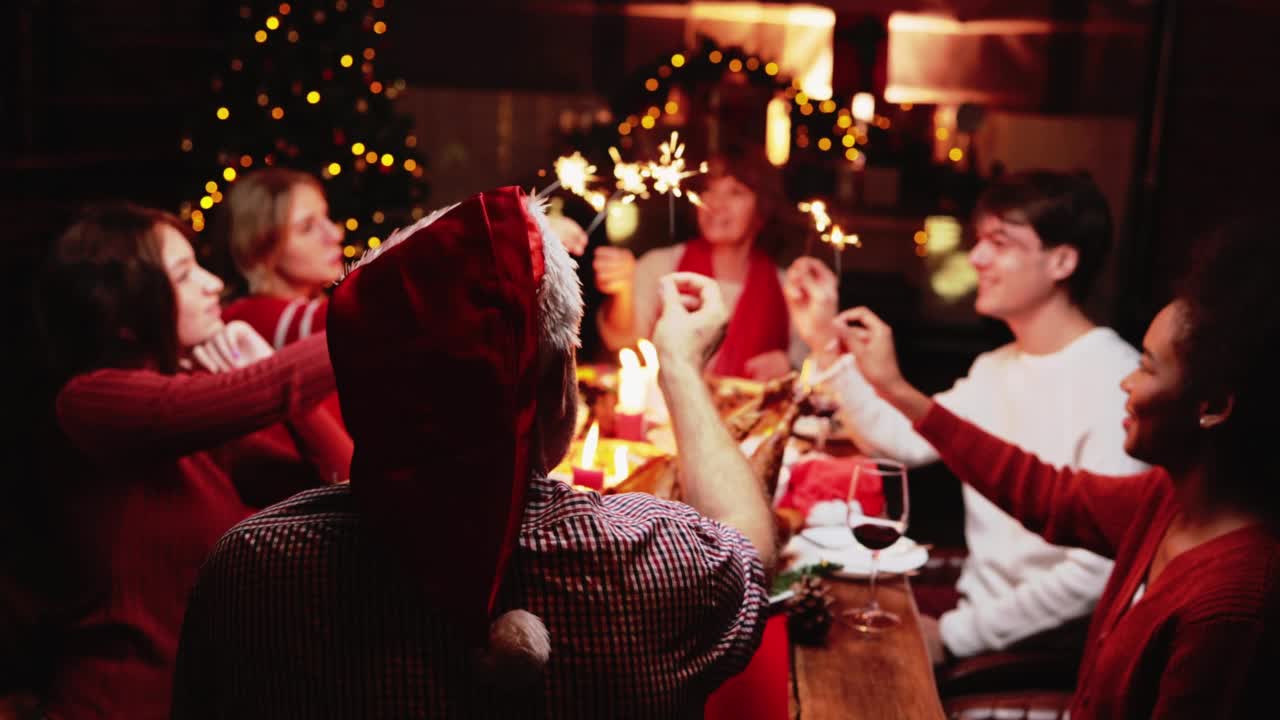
(838, 240)
(573, 172)
(821, 220)
(667, 175)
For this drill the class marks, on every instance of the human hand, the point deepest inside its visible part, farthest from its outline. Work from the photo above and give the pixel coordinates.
(870, 340)
(692, 319)
(233, 346)
(571, 234)
(933, 639)
(615, 269)
(810, 290)
(768, 365)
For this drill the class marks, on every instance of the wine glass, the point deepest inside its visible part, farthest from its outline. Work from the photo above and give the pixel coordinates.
(878, 506)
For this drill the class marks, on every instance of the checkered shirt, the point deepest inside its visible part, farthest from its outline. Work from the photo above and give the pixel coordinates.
(299, 613)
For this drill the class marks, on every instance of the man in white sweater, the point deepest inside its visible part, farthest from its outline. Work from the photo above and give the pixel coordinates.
(1042, 238)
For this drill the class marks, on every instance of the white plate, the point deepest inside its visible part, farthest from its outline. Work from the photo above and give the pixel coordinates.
(836, 544)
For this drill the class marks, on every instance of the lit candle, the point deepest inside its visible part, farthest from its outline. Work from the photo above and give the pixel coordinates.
(584, 473)
(628, 414)
(621, 468)
(655, 405)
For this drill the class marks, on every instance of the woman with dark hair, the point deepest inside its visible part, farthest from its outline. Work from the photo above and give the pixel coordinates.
(740, 195)
(155, 393)
(1189, 622)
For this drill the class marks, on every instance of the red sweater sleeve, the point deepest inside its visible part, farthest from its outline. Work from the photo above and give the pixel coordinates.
(117, 413)
(323, 441)
(1068, 507)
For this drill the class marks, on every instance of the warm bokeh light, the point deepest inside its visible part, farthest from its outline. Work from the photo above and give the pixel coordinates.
(375, 87)
(349, 251)
(357, 148)
(346, 60)
(715, 56)
(313, 97)
(410, 164)
(223, 113)
(369, 53)
(671, 108)
(379, 27)
(824, 143)
(387, 160)
(955, 154)
(273, 22)
(651, 84)
(371, 157)
(411, 141)
(352, 224)
(378, 217)
(334, 168)
(771, 68)
(677, 60)
(277, 113)
(735, 65)
(260, 36)
(206, 202)
(374, 241)
(647, 122)
(245, 161)
(211, 187)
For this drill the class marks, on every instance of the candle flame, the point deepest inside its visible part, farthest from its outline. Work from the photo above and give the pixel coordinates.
(650, 354)
(630, 383)
(588, 460)
(621, 469)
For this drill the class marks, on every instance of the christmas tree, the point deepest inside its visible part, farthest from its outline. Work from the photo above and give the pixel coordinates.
(300, 89)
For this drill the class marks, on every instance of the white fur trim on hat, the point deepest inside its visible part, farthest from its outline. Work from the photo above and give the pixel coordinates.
(560, 293)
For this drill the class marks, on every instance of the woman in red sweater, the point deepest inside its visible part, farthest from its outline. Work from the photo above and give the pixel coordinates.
(1189, 623)
(156, 394)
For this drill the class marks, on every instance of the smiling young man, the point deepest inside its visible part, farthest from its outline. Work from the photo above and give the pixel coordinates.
(1041, 243)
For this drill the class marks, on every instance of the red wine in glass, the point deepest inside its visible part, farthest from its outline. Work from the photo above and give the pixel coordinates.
(878, 511)
(874, 536)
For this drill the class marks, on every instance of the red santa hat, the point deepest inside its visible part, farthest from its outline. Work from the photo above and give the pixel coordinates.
(434, 338)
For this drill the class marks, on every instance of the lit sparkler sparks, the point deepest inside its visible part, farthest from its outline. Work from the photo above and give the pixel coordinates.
(839, 239)
(630, 177)
(668, 173)
(817, 209)
(574, 172)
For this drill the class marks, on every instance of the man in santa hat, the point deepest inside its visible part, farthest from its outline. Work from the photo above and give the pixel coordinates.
(452, 577)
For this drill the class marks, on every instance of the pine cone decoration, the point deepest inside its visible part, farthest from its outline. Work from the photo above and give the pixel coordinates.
(809, 615)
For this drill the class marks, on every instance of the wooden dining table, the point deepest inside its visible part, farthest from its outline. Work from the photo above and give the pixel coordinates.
(886, 676)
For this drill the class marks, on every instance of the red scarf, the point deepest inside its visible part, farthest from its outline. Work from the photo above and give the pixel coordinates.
(759, 323)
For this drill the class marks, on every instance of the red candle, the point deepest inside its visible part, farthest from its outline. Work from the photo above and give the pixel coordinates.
(628, 426)
(593, 479)
(584, 473)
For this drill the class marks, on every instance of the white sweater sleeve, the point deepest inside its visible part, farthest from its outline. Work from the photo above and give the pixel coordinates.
(1061, 593)
(879, 429)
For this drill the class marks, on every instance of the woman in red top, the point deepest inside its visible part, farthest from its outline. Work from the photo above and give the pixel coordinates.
(740, 195)
(287, 249)
(157, 393)
(1189, 623)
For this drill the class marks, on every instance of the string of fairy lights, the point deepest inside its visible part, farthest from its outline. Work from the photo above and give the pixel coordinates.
(286, 24)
